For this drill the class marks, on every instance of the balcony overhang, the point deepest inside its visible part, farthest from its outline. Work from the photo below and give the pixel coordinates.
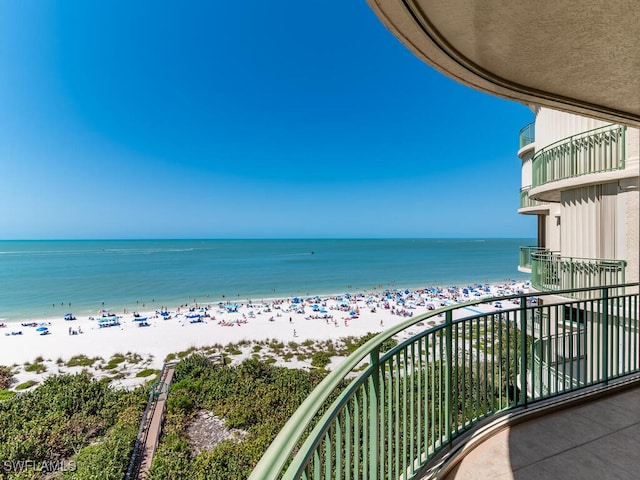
(577, 58)
(552, 191)
(535, 210)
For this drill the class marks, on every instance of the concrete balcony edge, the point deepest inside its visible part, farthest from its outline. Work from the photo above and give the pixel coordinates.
(550, 192)
(443, 463)
(535, 210)
(526, 149)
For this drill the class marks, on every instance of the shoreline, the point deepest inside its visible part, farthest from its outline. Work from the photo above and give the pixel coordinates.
(58, 310)
(284, 319)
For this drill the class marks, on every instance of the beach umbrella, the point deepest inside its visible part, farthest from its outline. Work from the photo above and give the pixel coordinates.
(41, 329)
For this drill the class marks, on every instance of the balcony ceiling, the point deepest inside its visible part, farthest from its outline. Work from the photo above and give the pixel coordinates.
(582, 57)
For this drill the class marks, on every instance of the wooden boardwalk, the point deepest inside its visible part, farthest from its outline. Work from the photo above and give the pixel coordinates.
(151, 426)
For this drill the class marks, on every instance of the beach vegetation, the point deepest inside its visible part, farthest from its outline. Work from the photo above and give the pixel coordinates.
(82, 361)
(39, 359)
(133, 358)
(6, 377)
(7, 394)
(186, 353)
(72, 417)
(35, 368)
(293, 345)
(114, 361)
(320, 359)
(276, 345)
(147, 372)
(25, 385)
(353, 343)
(254, 396)
(257, 348)
(170, 357)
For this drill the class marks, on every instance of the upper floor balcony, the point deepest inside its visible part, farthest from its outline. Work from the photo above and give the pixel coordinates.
(525, 258)
(408, 411)
(567, 162)
(552, 272)
(527, 137)
(527, 134)
(530, 206)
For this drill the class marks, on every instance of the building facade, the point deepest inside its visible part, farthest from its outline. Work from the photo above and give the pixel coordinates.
(580, 179)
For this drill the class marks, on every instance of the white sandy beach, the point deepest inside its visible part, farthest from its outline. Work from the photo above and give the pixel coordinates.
(280, 319)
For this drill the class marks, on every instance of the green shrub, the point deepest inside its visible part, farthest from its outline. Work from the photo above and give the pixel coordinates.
(6, 394)
(27, 384)
(114, 361)
(254, 396)
(320, 359)
(66, 414)
(35, 368)
(81, 361)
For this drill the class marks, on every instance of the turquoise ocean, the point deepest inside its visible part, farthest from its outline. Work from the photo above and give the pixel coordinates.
(46, 279)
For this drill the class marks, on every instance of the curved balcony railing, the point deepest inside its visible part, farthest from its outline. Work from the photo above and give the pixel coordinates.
(552, 272)
(525, 255)
(598, 150)
(408, 404)
(526, 201)
(527, 134)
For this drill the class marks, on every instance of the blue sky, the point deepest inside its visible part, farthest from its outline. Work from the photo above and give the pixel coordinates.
(250, 119)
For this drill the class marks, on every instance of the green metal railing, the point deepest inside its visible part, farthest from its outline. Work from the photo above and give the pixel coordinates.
(551, 272)
(527, 134)
(525, 255)
(411, 402)
(526, 201)
(598, 150)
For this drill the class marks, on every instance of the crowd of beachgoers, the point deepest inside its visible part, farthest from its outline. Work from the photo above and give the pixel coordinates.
(154, 334)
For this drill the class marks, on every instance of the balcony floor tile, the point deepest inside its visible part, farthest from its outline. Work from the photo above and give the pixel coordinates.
(599, 439)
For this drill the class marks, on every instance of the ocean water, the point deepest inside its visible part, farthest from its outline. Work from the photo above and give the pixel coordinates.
(41, 279)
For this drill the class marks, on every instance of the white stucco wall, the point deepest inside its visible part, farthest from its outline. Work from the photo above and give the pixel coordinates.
(552, 126)
(595, 221)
